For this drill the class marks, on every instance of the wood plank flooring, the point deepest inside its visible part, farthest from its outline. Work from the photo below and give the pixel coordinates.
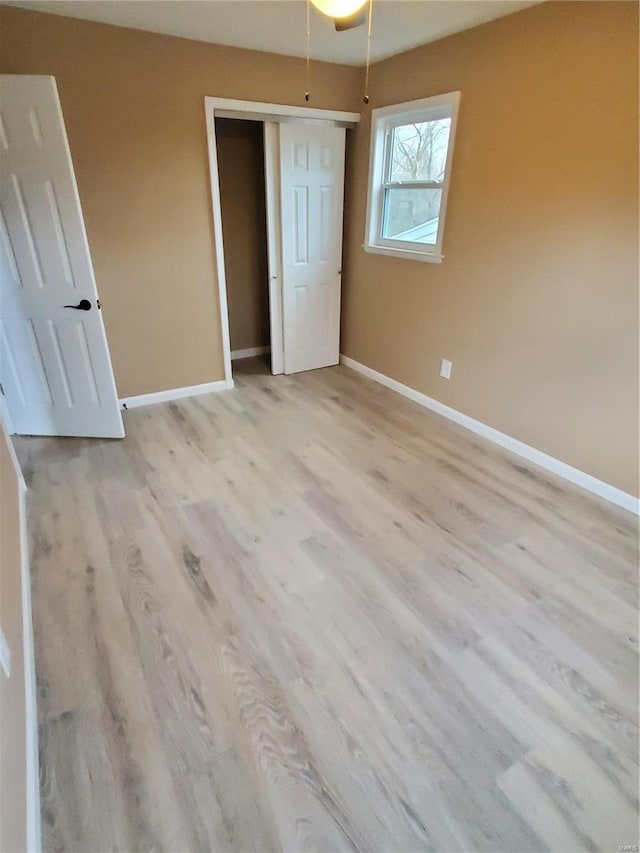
(307, 614)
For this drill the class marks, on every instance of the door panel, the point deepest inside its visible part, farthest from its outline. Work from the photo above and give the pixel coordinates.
(23, 361)
(301, 224)
(312, 189)
(55, 366)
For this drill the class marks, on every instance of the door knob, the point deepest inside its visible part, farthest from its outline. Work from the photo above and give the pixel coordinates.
(83, 305)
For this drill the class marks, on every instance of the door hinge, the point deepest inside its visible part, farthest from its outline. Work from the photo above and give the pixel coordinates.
(98, 304)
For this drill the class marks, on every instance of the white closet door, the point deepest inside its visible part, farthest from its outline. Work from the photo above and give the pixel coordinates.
(312, 196)
(55, 367)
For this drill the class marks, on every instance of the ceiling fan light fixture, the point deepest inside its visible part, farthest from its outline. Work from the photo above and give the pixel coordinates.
(339, 8)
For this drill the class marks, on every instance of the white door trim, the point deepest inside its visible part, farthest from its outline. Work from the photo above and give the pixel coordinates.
(274, 243)
(254, 110)
(32, 794)
(260, 109)
(214, 177)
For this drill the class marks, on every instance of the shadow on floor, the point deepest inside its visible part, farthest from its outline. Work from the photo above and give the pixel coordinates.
(257, 366)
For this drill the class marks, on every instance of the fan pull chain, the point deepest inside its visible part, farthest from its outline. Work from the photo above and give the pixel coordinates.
(365, 99)
(307, 94)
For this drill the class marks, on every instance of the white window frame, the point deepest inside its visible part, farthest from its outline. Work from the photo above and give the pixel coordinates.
(383, 120)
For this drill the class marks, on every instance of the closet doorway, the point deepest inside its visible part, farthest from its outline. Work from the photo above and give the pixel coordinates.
(241, 172)
(278, 235)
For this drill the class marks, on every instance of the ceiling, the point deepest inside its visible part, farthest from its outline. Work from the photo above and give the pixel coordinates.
(279, 26)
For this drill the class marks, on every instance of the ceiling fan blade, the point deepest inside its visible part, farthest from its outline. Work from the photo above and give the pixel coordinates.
(350, 23)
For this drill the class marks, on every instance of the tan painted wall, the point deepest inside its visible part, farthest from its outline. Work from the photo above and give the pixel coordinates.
(13, 760)
(536, 302)
(134, 110)
(244, 230)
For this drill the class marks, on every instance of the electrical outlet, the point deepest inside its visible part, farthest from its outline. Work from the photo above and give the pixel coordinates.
(5, 655)
(445, 368)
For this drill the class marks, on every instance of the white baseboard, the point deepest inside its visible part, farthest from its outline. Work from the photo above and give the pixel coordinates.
(34, 835)
(549, 463)
(175, 394)
(249, 353)
(32, 793)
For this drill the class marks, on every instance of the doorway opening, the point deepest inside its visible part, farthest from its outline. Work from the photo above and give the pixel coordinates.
(241, 172)
(300, 203)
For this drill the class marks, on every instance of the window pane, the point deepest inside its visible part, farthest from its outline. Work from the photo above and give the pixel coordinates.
(411, 215)
(419, 151)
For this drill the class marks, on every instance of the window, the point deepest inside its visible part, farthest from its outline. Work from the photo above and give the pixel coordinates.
(410, 169)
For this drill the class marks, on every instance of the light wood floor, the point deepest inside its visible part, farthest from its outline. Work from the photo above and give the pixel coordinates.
(307, 614)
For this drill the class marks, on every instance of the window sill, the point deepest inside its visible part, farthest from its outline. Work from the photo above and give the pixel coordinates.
(428, 257)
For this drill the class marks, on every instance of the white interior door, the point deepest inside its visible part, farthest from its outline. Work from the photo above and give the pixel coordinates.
(312, 196)
(55, 367)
